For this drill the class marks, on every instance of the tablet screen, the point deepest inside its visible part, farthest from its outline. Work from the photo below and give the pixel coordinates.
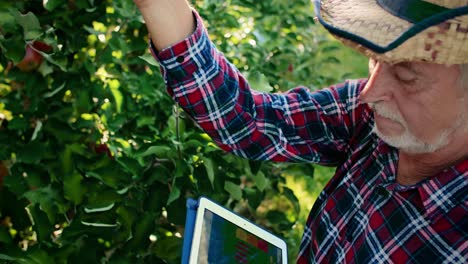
(224, 242)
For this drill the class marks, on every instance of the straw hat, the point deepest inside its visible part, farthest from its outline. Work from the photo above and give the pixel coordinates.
(400, 30)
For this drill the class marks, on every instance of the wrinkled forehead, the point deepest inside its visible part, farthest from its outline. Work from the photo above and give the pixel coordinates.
(422, 67)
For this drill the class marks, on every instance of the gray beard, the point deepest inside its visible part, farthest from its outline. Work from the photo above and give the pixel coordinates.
(407, 141)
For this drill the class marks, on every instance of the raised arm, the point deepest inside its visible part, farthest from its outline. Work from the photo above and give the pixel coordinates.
(168, 21)
(299, 125)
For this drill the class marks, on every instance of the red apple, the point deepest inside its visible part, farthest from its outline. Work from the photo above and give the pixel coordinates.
(33, 59)
(3, 173)
(103, 149)
(41, 46)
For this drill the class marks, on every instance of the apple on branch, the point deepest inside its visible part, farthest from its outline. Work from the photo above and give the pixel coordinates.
(3, 173)
(32, 58)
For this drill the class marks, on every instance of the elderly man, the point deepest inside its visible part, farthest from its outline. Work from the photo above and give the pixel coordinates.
(399, 138)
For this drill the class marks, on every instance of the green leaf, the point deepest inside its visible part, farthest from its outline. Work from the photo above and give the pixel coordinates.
(17, 185)
(142, 230)
(99, 209)
(37, 129)
(255, 166)
(159, 151)
(30, 24)
(67, 160)
(98, 224)
(73, 189)
(174, 195)
(175, 125)
(277, 217)
(208, 163)
(125, 8)
(32, 152)
(127, 217)
(148, 58)
(41, 222)
(233, 189)
(37, 256)
(112, 176)
(130, 165)
(101, 198)
(145, 120)
(6, 257)
(5, 236)
(292, 197)
(330, 48)
(49, 201)
(118, 97)
(260, 181)
(159, 173)
(259, 82)
(62, 131)
(18, 123)
(192, 144)
(254, 197)
(13, 48)
(50, 5)
(182, 169)
(54, 92)
(6, 19)
(60, 62)
(169, 248)
(117, 43)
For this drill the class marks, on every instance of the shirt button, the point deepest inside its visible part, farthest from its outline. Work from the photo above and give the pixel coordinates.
(180, 59)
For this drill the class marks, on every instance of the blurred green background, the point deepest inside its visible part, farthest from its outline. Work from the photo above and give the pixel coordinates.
(96, 161)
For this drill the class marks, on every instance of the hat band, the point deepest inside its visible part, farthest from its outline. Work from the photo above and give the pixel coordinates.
(413, 11)
(438, 18)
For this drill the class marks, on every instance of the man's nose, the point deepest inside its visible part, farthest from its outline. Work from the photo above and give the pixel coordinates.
(379, 85)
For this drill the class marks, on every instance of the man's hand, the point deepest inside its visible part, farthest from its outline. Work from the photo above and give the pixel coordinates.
(168, 21)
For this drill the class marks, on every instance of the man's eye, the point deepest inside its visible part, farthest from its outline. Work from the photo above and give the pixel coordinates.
(406, 76)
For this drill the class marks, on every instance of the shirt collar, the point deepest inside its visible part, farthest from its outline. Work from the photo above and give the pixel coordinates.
(439, 194)
(445, 190)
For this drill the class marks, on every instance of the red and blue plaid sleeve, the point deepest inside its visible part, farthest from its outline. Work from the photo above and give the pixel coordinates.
(297, 126)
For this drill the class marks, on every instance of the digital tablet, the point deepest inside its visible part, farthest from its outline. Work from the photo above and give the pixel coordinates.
(221, 236)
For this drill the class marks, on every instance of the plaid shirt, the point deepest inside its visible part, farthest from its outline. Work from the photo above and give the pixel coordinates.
(363, 215)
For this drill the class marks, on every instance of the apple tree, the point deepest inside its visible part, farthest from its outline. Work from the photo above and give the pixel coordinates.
(96, 160)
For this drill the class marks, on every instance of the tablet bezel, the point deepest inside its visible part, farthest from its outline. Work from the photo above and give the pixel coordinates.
(206, 204)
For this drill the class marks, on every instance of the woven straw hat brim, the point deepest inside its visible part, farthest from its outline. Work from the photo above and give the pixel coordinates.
(365, 26)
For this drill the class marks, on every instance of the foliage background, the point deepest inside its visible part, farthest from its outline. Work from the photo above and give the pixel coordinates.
(96, 161)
